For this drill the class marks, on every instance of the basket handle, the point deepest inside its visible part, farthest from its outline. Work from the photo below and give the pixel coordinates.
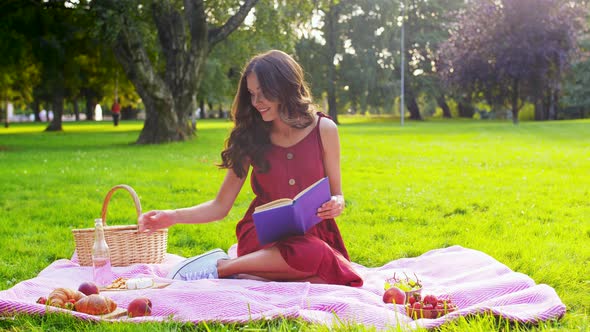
(107, 199)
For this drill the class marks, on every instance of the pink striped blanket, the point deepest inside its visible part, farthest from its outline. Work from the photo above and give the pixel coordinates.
(475, 282)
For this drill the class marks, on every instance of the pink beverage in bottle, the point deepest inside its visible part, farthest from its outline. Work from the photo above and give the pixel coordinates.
(102, 271)
(101, 258)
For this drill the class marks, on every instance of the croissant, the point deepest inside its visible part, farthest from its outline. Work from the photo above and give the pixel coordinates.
(64, 297)
(95, 305)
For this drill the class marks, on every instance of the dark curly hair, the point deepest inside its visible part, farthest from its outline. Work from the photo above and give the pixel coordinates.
(281, 79)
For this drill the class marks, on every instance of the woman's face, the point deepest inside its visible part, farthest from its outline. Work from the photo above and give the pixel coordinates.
(269, 110)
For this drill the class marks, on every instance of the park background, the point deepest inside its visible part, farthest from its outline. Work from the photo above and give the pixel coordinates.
(476, 156)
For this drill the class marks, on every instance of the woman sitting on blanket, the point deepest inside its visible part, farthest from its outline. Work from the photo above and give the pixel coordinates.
(289, 146)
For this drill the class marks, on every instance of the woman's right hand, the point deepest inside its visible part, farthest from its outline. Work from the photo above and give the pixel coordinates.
(157, 219)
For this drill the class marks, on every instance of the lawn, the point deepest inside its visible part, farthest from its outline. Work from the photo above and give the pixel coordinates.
(518, 193)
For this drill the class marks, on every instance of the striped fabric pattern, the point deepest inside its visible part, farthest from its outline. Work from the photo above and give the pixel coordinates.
(476, 282)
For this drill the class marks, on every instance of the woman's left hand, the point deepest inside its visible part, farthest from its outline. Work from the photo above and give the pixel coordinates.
(332, 208)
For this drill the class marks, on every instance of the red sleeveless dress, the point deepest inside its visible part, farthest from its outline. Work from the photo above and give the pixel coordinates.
(321, 251)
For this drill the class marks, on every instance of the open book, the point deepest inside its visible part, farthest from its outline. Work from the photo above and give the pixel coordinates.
(287, 217)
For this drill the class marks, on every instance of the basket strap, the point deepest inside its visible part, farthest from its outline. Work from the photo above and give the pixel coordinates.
(107, 199)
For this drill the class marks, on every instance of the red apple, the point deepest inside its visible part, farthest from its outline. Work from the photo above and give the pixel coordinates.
(139, 307)
(394, 295)
(430, 299)
(88, 288)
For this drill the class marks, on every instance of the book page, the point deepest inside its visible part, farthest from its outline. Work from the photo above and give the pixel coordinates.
(308, 189)
(273, 204)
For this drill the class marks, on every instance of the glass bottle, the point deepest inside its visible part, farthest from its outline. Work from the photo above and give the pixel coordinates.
(101, 257)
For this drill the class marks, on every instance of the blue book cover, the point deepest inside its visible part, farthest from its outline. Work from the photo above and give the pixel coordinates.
(287, 217)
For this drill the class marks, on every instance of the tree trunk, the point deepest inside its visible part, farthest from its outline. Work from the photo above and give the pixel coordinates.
(90, 107)
(442, 103)
(4, 112)
(185, 41)
(90, 104)
(211, 111)
(538, 108)
(553, 105)
(57, 104)
(515, 117)
(414, 109)
(36, 110)
(412, 105)
(539, 101)
(6, 120)
(167, 99)
(161, 127)
(331, 18)
(514, 103)
(465, 110)
(202, 113)
(354, 104)
(76, 109)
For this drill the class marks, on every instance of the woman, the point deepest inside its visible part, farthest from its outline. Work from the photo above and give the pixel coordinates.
(289, 146)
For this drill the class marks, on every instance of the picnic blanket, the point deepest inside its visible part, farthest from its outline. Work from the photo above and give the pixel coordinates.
(475, 281)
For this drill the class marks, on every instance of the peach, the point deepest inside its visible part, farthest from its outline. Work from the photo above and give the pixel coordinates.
(394, 295)
(88, 288)
(141, 306)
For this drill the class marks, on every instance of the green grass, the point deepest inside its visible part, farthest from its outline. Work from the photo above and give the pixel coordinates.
(518, 193)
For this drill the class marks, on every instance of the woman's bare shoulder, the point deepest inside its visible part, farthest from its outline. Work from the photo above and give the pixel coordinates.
(328, 131)
(327, 125)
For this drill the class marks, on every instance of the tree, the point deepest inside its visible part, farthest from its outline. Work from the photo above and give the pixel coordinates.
(99, 78)
(51, 33)
(370, 65)
(166, 67)
(55, 35)
(576, 91)
(319, 48)
(331, 34)
(508, 52)
(19, 72)
(425, 30)
(346, 56)
(274, 28)
(367, 67)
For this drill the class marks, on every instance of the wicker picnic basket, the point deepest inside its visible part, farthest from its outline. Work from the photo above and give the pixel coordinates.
(127, 245)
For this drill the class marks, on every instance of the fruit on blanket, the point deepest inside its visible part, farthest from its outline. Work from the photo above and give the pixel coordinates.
(42, 300)
(412, 287)
(430, 307)
(394, 295)
(141, 306)
(405, 283)
(430, 299)
(414, 296)
(64, 297)
(95, 304)
(88, 288)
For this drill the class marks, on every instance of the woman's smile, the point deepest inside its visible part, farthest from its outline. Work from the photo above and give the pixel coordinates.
(268, 109)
